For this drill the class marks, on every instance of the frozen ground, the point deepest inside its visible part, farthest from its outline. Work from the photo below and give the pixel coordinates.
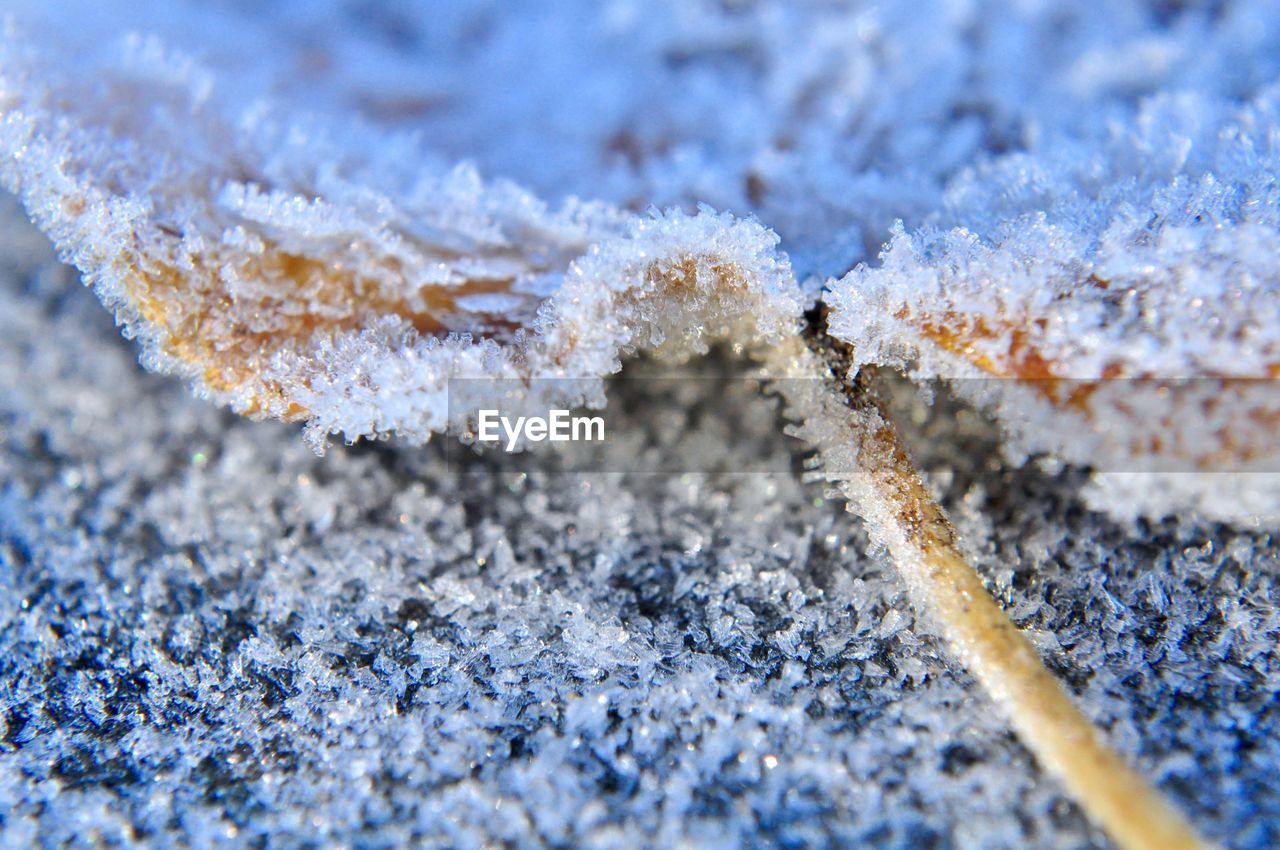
(212, 637)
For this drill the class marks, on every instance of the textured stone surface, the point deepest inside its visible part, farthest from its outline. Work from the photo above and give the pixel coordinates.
(211, 637)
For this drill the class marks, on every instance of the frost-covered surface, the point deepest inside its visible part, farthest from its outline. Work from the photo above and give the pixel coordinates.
(1141, 243)
(323, 211)
(211, 637)
(1147, 250)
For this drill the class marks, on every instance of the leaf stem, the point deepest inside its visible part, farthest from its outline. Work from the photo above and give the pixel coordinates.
(863, 454)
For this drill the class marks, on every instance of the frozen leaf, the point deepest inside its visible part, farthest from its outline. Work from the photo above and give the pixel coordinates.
(280, 267)
(1111, 299)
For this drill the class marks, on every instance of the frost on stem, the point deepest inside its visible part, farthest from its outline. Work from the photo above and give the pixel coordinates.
(862, 454)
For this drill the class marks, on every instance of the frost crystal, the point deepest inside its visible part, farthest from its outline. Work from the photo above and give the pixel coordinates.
(210, 637)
